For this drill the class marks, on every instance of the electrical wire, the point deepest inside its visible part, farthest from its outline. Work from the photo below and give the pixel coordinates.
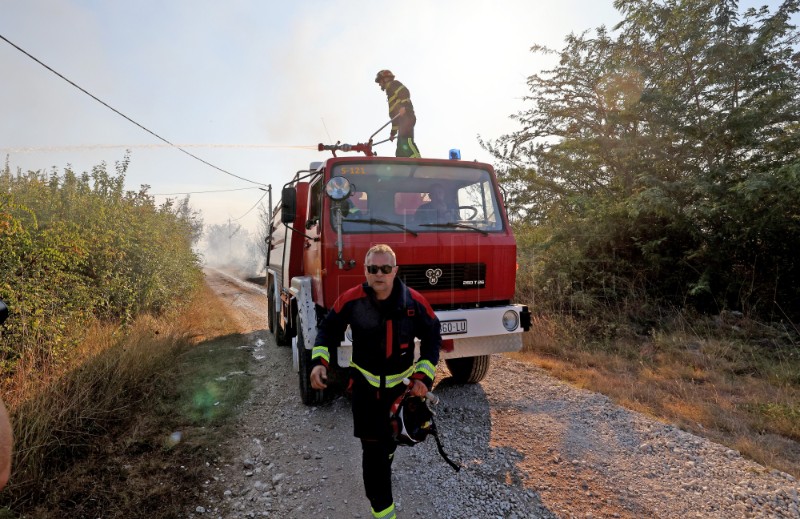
(254, 206)
(125, 116)
(201, 192)
(326, 129)
(79, 147)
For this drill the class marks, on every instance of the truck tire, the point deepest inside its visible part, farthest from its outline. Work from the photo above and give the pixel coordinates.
(281, 336)
(468, 370)
(271, 314)
(308, 394)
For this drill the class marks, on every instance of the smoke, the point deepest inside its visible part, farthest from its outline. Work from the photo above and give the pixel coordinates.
(231, 247)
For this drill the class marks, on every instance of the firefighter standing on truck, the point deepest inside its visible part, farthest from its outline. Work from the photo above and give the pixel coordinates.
(384, 316)
(400, 107)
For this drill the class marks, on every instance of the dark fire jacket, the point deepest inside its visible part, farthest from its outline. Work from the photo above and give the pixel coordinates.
(398, 95)
(383, 335)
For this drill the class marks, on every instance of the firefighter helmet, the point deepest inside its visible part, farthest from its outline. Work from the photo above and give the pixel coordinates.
(412, 422)
(411, 419)
(384, 74)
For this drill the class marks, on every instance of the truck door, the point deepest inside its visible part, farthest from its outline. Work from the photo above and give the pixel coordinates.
(312, 261)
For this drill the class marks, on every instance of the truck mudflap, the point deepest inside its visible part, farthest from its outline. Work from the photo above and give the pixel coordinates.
(470, 333)
(305, 319)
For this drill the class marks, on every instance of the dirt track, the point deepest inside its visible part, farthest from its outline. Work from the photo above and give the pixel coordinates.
(530, 446)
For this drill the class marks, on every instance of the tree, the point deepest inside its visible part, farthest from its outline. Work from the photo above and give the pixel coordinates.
(663, 153)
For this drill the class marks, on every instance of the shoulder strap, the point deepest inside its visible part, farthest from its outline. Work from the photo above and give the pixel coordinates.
(439, 447)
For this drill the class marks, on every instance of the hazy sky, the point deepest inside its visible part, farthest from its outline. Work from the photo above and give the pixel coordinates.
(250, 86)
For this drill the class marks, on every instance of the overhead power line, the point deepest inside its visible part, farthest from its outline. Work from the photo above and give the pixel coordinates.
(157, 136)
(200, 192)
(79, 147)
(254, 206)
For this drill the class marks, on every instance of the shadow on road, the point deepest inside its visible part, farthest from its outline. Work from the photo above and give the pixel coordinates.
(490, 482)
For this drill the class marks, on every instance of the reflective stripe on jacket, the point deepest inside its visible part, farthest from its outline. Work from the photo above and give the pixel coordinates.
(375, 380)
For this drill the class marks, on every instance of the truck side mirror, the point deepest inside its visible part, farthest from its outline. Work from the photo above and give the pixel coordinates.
(288, 204)
(3, 312)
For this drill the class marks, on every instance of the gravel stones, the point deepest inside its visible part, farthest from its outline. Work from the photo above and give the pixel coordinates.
(530, 446)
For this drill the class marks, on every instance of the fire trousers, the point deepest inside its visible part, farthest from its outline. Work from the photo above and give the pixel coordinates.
(406, 147)
(376, 465)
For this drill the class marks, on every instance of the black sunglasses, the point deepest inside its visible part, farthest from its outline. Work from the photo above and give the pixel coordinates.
(373, 269)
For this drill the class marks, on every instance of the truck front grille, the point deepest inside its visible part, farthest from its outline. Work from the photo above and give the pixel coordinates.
(443, 276)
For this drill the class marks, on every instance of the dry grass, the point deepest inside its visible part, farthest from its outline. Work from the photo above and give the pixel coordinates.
(66, 410)
(737, 383)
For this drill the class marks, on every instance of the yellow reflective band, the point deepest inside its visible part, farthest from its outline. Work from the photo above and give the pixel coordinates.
(414, 151)
(393, 97)
(393, 101)
(393, 380)
(321, 352)
(426, 367)
(384, 514)
(372, 379)
(375, 380)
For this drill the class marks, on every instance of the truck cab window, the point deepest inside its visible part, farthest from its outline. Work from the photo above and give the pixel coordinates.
(358, 205)
(477, 204)
(393, 198)
(315, 204)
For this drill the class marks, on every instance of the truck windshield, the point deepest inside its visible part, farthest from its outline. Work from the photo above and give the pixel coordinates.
(419, 198)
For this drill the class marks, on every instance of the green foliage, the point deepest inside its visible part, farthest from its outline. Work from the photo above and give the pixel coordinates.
(78, 247)
(660, 160)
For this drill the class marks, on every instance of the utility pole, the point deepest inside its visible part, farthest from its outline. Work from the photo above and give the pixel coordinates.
(268, 237)
(231, 232)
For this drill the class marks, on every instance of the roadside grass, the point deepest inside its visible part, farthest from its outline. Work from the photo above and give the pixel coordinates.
(108, 433)
(734, 381)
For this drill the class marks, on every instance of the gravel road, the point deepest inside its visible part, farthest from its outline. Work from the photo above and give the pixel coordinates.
(530, 446)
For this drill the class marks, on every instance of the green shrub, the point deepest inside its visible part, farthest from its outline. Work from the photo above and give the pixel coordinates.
(75, 248)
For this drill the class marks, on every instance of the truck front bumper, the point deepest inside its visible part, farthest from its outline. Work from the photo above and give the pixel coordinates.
(470, 332)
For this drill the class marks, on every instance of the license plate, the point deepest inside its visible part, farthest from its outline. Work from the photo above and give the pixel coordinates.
(454, 327)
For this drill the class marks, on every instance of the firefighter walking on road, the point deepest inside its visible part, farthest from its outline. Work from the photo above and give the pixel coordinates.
(400, 107)
(384, 316)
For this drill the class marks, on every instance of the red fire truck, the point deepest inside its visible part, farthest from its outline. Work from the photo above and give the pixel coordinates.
(463, 260)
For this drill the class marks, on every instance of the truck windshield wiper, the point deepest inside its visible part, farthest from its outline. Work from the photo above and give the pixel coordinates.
(380, 221)
(455, 225)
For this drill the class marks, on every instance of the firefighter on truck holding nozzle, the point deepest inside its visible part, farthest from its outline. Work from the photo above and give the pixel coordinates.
(401, 111)
(385, 316)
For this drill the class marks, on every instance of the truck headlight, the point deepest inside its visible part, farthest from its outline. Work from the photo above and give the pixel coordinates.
(510, 320)
(339, 188)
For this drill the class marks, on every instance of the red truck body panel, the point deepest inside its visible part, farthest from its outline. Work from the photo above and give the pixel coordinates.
(433, 251)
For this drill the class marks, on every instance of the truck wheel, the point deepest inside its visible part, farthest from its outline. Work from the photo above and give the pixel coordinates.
(271, 314)
(468, 370)
(308, 394)
(281, 337)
